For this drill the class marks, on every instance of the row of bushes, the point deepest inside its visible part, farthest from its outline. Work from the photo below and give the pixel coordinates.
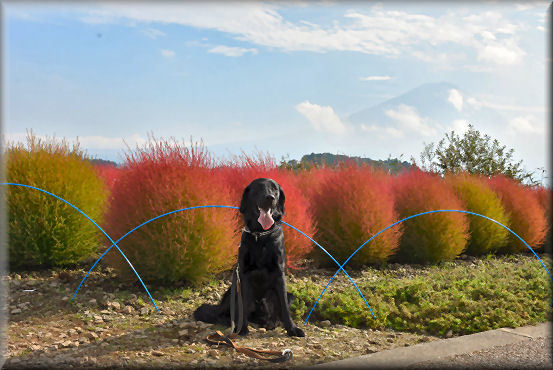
(341, 207)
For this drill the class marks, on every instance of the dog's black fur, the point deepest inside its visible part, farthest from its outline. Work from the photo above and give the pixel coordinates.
(261, 262)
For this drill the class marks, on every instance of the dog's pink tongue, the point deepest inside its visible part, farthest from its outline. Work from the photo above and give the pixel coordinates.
(265, 219)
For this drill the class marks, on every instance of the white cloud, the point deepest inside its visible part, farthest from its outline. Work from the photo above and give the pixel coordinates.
(153, 33)
(524, 125)
(477, 104)
(167, 53)
(322, 118)
(456, 98)
(231, 51)
(383, 132)
(409, 119)
(376, 78)
(390, 33)
(460, 126)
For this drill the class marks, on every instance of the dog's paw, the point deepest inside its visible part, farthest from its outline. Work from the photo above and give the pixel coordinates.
(244, 331)
(296, 332)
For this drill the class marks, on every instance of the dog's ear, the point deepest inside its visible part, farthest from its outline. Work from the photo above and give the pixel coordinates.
(281, 199)
(244, 202)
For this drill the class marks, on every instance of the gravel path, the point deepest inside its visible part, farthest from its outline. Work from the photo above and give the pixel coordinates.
(533, 353)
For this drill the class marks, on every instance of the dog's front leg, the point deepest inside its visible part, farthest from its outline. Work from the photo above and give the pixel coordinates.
(245, 296)
(285, 316)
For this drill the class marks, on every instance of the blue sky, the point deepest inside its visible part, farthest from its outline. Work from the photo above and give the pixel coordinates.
(280, 77)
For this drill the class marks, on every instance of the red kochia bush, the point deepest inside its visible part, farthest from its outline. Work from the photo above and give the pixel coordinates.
(526, 213)
(432, 237)
(544, 198)
(161, 177)
(108, 174)
(477, 197)
(351, 204)
(241, 170)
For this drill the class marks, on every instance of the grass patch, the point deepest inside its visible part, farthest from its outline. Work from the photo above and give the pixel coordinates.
(465, 297)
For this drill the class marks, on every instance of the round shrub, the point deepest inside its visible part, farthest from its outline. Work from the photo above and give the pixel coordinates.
(544, 198)
(526, 214)
(43, 230)
(351, 205)
(485, 235)
(240, 171)
(163, 176)
(433, 237)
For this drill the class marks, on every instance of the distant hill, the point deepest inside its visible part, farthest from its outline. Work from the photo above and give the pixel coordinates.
(393, 165)
(103, 162)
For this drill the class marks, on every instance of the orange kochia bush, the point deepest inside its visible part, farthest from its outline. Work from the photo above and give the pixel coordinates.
(160, 177)
(351, 204)
(238, 172)
(526, 213)
(431, 237)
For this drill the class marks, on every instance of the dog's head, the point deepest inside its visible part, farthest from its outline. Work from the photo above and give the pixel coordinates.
(262, 204)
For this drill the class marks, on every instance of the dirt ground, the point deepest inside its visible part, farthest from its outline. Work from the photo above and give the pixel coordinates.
(112, 324)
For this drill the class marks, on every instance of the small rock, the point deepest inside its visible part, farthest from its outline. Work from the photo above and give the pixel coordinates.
(34, 347)
(449, 333)
(213, 353)
(92, 335)
(144, 311)
(183, 333)
(66, 298)
(157, 353)
(93, 301)
(16, 311)
(72, 332)
(262, 330)
(325, 323)
(83, 340)
(116, 306)
(175, 340)
(78, 329)
(98, 319)
(106, 318)
(128, 310)
(66, 343)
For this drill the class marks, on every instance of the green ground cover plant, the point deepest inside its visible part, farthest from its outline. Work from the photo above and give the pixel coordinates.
(485, 294)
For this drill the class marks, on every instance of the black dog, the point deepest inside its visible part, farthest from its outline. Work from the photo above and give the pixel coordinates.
(261, 264)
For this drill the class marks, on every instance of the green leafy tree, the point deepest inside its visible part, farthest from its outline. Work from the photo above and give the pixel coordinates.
(473, 153)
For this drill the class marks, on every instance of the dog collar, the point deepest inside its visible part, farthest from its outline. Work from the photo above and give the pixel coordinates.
(258, 234)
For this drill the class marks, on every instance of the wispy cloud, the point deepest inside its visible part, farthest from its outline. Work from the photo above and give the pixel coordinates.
(376, 78)
(153, 33)
(231, 51)
(322, 118)
(389, 33)
(409, 120)
(168, 53)
(456, 99)
(524, 125)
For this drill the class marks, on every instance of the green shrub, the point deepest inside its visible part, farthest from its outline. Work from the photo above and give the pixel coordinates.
(164, 176)
(43, 230)
(431, 237)
(485, 235)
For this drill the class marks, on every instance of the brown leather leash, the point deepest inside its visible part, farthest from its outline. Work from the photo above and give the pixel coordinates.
(261, 354)
(219, 338)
